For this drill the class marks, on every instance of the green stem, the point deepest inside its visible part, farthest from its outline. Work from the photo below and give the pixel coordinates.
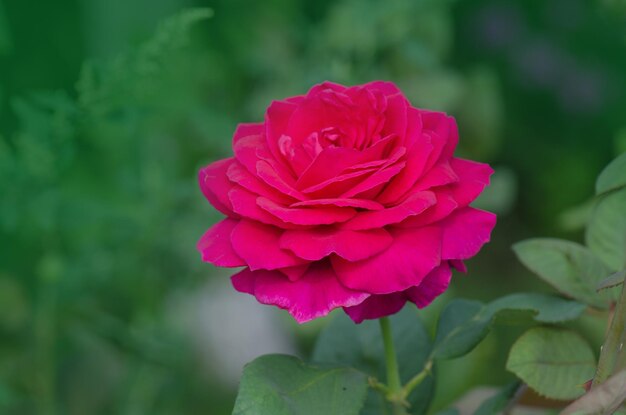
(418, 379)
(395, 395)
(611, 356)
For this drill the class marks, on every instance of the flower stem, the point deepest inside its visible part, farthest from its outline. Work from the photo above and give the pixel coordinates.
(611, 354)
(394, 384)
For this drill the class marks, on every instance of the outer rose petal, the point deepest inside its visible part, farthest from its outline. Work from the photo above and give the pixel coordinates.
(258, 245)
(215, 245)
(318, 243)
(246, 129)
(411, 256)
(314, 295)
(465, 232)
(432, 287)
(474, 177)
(376, 306)
(386, 87)
(215, 185)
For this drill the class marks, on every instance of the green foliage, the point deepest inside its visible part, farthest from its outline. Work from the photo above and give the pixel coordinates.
(554, 362)
(360, 346)
(569, 267)
(606, 231)
(612, 280)
(604, 399)
(497, 403)
(284, 385)
(463, 324)
(613, 177)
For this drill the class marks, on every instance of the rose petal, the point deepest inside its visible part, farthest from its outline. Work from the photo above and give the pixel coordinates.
(277, 119)
(306, 216)
(376, 306)
(444, 206)
(268, 173)
(380, 177)
(443, 133)
(215, 185)
(396, 115)
(328, 164)
(415, 163)
(465, 232)
(414, 205)
(314, 295)
(245, 204)
(249, 150)
(238, 174)
(411, 256)
(338, 184)
(247, 129)
(318, 243)
(357, 203)
(386, 87)
(440, 175)
(473, 178)
(435, 284)
(316, 89)
(216, 247)
(296, 272)
(258, 245)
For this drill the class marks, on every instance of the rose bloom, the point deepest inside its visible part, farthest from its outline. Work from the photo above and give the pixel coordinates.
(345, 197)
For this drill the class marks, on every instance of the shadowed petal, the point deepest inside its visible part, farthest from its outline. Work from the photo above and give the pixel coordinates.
(314, 295)
(435, 284)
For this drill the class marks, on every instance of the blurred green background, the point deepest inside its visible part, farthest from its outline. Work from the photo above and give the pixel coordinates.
(109, 107)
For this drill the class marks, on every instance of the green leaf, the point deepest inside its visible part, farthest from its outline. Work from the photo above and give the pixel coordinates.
(284, 385)
(464, 323)
(613, 176)
(461, 327)
(553, 362)
(360, 346)
(606, 231)
(497, 403)
(603, 399)
(569, 267)
(612, 280)
(544, 308)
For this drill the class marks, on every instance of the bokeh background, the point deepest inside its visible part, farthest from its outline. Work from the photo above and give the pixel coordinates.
(109, 107)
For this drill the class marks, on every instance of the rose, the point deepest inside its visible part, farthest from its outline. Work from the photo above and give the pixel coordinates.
(345, 197)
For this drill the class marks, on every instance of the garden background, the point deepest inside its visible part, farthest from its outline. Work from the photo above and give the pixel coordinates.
(108, 108)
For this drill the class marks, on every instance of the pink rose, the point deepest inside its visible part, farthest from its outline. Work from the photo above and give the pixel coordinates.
(345, 197)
